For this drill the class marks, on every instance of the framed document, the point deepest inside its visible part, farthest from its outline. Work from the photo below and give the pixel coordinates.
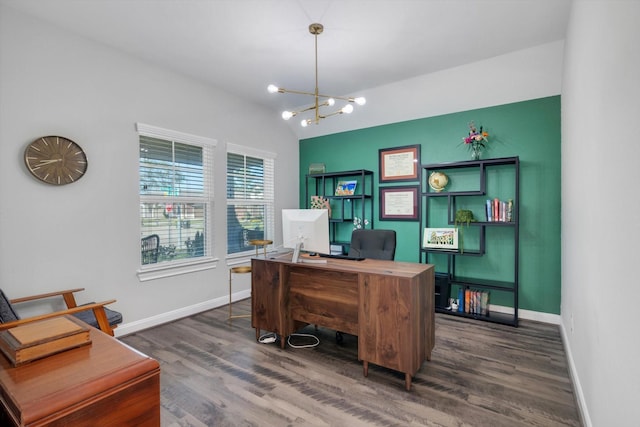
(400, 163)
(440, 238)
(399, 203)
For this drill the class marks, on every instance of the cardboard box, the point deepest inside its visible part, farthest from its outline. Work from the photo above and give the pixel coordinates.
(43, 338)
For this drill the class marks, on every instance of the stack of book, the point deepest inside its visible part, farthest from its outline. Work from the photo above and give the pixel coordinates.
(475, 302)
(499, 211)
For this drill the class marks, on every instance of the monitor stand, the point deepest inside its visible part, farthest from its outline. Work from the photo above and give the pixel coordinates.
(296, 253)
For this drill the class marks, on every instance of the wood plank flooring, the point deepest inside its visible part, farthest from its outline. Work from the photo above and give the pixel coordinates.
(214, 373)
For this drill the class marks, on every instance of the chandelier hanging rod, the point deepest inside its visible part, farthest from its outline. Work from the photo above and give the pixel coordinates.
(317, 29)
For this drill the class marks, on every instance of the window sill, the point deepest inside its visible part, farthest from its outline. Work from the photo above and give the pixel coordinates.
(169, 269)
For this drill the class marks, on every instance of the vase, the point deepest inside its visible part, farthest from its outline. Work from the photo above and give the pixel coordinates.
(475, 153)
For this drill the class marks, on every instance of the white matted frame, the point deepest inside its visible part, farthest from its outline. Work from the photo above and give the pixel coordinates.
(440, 238)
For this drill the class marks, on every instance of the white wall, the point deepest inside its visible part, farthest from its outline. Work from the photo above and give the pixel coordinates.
(601, 209)
(526, 74)
(87, 234)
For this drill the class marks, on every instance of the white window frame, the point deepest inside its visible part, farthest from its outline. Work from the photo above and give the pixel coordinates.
(173, 268)
(268, 200)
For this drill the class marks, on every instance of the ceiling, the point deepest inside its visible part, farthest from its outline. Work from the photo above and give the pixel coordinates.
(243, 45)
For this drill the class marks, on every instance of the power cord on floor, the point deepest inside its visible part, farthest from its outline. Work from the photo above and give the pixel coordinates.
(272, 337)
(267, 338)
(314, 344)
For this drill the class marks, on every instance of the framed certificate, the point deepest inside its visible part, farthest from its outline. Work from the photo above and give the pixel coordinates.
(399, 203)
(400, 163)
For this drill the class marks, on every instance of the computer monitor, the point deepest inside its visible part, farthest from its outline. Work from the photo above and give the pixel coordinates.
(305, 229)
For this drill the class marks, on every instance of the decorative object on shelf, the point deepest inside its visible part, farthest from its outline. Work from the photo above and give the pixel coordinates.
(319, 202)
(358, 223)
(327, 100)
(476, 140)
(399, 163)
(346, 188)
(463, 216)
(440, 238)
(315, 168)
(438, 181)
(399, 203)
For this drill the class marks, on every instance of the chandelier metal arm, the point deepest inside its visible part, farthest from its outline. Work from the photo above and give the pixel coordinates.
(316, 29)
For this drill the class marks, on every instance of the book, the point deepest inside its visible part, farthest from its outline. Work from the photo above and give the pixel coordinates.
(484, 305)
(346, 188)
(43, 338)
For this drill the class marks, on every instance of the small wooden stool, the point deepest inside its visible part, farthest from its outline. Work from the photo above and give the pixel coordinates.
(263, 243)
(237, 270)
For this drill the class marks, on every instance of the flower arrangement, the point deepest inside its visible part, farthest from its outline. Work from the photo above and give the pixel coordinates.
(476, 140)
(357, 223)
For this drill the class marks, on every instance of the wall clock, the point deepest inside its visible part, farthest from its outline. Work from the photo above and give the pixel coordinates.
(55, 160)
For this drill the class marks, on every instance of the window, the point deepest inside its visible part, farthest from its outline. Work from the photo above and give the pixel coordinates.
(250, 204)
(176, 196)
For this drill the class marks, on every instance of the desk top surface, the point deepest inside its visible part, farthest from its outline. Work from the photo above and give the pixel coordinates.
(45, 386)
(369, 265)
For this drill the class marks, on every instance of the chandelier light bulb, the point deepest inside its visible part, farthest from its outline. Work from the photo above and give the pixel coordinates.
(287, 115)
(347, 109)
(321, 101)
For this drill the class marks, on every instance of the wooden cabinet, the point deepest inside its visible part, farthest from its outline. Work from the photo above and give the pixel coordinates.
(345, 208)
(388, 305)
(487, 259)
(105, 383)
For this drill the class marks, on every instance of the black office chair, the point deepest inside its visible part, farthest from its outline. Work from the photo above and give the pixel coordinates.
(376, 244)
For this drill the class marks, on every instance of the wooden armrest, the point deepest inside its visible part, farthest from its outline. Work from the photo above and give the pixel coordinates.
(47, 295)
(98, 308)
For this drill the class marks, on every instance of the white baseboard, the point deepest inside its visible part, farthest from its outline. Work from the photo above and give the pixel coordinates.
(537, 316)
(577, 387)
(170, 316)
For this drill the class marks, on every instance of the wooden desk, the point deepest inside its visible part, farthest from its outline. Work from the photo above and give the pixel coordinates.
(105, 383)
(388, 305)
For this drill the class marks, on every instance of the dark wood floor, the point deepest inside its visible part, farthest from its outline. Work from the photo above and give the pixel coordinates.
(215, 374)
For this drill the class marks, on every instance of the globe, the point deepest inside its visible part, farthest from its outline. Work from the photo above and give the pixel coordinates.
(437, 181)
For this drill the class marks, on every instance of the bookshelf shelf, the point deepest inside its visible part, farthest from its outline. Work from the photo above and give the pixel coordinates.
(344, 208)
(471, 185)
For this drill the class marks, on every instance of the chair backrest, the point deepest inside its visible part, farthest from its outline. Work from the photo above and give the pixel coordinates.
(376, 244)
(7, 313)
(150, 246)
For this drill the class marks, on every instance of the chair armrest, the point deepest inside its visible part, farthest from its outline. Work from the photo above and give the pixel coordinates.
(98, 309)
(66, 294)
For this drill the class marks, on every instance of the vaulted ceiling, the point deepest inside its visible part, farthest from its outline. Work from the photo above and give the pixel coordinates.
(243, 45)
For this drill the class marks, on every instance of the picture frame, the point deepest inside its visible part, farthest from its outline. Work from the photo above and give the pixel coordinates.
(346, 188)
(399, 203)
(440, 238)
(399, 163)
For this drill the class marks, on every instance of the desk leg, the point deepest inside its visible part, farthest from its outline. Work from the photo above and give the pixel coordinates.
(365, 368)
(257, 334)
(407, 381)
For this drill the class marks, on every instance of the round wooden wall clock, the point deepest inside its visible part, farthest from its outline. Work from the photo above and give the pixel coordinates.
(55, 160)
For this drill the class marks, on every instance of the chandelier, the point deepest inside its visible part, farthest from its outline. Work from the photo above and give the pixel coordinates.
(320, 100)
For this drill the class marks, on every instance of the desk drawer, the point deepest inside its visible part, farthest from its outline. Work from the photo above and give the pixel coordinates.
(329, 299)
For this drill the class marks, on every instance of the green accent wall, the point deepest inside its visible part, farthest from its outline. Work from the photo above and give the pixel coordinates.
(528, 129)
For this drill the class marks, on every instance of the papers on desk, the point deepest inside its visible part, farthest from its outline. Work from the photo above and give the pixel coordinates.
(313, 261)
